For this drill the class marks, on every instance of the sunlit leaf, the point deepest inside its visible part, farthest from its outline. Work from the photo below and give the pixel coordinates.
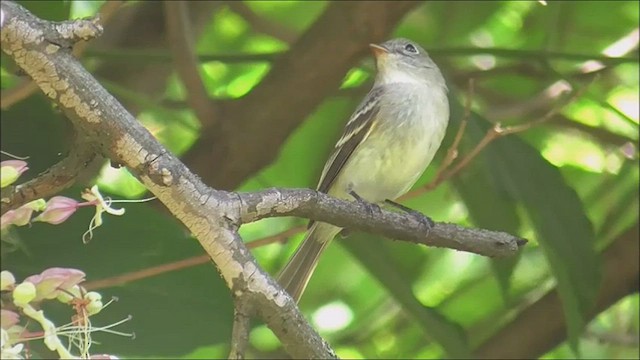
(564, 232)
(446, 333)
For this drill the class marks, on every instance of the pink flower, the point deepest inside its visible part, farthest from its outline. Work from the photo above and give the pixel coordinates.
(57, 210)
(9, 218)
(10, 171)
(53, 280)
(8, 318)
(22, 215)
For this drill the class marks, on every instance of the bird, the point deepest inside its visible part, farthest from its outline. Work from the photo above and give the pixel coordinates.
(385, 147)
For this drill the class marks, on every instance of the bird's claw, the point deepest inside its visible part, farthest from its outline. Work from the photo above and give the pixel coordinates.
(424, 220)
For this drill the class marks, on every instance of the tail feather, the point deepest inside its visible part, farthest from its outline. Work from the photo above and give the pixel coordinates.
(295, 276)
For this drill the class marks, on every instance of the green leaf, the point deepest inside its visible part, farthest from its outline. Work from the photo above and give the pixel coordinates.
(516, 172)
(557, 215)
(371, 253)
(479, 188)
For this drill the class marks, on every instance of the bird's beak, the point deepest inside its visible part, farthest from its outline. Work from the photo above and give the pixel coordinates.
(379, 51)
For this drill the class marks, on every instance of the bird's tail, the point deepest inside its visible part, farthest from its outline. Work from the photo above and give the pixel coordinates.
(295, 276)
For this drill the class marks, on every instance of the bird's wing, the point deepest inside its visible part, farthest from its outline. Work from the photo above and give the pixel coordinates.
(356, 131)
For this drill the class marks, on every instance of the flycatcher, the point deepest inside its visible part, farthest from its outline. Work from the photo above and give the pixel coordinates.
(387, 144)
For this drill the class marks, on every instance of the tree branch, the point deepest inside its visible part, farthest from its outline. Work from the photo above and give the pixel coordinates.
(22, 90)
(529, 55)
(126, 54)
(357, 216)
(100, 118)
(57, 178)
(262, 25)
(181, 264)
(146, 21)
(600, 134)
(28, 87)
(241, 329)
(180, 42)
(212, 216)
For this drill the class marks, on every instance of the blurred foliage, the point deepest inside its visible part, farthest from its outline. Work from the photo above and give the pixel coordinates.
(569, 185)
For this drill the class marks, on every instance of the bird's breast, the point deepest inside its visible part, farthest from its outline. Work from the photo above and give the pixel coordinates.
(405, 136)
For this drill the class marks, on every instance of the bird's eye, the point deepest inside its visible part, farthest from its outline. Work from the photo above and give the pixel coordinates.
(410, 48)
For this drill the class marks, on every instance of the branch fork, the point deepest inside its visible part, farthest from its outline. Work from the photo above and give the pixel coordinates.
(211, 216)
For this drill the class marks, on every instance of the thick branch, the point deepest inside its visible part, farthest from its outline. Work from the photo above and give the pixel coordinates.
(117, 134)
(28, 87)
(354, 215)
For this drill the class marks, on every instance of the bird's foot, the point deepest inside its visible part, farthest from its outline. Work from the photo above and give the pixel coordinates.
(424, 220)
(371, 207)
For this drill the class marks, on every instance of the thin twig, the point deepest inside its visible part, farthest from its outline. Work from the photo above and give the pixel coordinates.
(498, 131)
(146, 273)
(144, 57)
(530, 55)
(602, 135)
(15, 94)
(614, 338)
(280, 237)
(57, 178)
(241, 328)
(180, 42)
(260, 24)
(132, 55)
(16, 157)
(183, 264)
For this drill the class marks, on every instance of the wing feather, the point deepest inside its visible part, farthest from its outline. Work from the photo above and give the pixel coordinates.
(357, 129)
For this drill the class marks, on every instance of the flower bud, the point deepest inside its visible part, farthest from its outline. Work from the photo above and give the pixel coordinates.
(6, 280)
(10, 171)
(57, 210)
(24, 293)
(95, 302)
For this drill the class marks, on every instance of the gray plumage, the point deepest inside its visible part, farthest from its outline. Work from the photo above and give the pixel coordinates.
(387, 144)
